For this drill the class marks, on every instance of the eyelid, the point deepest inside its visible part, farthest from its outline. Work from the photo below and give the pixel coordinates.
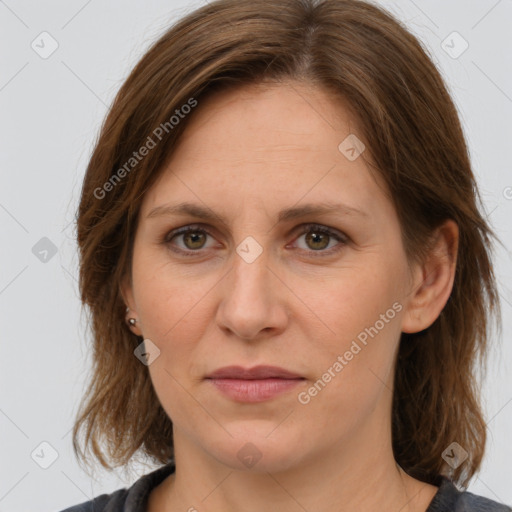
(169, 235)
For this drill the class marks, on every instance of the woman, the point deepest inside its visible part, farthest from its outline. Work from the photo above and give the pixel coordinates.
(287, 270)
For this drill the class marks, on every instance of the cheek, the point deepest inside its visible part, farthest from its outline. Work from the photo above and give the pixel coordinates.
(168, 297)
(173, 309)
(176, 314)
(354, 361)
(354, 300)
(352, 378)
(178, 402)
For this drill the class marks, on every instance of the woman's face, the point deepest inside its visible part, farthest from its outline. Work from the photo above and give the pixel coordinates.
(267, 280)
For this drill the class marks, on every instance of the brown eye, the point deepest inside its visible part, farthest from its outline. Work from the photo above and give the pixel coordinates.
(317, 240)
(194, 239)
(188, 240)
(322, 240)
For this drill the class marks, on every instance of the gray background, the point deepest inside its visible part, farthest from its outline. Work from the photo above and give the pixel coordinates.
(51, 111)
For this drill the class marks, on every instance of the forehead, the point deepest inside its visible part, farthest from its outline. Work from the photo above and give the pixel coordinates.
(266, 140)
(303, 114)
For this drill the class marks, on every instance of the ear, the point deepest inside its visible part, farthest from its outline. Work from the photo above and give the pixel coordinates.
(126, 289)
(433, 281)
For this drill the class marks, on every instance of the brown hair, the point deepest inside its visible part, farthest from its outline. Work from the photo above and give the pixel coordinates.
(413, 132)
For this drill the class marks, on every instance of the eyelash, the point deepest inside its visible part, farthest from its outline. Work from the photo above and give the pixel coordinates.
(307, 228)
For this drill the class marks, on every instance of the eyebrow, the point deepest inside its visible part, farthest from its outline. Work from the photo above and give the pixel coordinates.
(292, 213)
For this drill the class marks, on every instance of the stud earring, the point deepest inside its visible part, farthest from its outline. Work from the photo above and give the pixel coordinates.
(130, 321)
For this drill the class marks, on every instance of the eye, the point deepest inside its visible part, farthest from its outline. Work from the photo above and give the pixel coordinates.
(192, 238)
(318, 239)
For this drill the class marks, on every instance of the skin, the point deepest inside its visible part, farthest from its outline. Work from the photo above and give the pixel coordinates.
(247, 154)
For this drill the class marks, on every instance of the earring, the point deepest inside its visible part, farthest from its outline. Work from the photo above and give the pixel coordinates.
(130, 321)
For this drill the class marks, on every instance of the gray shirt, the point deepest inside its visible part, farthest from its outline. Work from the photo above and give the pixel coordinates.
(134, 499)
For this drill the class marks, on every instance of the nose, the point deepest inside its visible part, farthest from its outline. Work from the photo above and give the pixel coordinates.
(253, 300)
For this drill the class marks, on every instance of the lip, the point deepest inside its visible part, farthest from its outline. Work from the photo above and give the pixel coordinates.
(257, 372)
(252, 385)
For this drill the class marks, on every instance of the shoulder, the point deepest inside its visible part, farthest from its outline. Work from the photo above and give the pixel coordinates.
(106, 502)
(450, 499)
(469, 502)
(132, 499)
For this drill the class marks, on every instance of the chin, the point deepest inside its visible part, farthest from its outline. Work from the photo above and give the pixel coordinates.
(252, 449)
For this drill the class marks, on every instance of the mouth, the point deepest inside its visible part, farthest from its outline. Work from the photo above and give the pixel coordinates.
(252, 385)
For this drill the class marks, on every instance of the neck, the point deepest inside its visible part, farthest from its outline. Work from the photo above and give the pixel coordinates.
(358, 475)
